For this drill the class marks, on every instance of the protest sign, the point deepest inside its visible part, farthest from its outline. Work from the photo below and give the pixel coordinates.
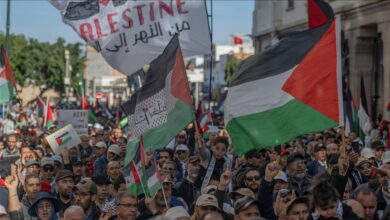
(63, 139)
(130, 34)
(77, 118)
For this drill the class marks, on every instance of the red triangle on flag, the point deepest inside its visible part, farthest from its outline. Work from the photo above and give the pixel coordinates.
(314, 81)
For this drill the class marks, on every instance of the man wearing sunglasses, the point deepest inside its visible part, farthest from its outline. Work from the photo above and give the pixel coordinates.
(252, 180)
(47, 170)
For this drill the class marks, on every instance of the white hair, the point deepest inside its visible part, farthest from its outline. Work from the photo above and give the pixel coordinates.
(74, 208)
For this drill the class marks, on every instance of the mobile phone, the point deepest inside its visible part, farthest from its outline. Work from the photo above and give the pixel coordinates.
(355, 147)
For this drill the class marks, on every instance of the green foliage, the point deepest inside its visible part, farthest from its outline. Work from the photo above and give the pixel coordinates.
(231, 67)
(44, 62)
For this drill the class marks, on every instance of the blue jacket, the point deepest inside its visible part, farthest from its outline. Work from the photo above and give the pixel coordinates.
(99, 168)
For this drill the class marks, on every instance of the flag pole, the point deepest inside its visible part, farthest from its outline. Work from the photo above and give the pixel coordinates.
(343, 144)
(46, 110)
(210, 15)
(165, 198)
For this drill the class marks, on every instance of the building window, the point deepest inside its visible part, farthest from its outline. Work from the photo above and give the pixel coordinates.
(290, 5)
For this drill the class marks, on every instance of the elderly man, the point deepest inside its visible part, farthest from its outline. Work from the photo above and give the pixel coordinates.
(368, 199)
(113, 170)
(126, 205)
(74, 212)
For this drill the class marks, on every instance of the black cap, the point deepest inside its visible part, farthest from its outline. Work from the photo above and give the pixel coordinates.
(244, 203)
(101, 180)
(76, 160)
(292, 157)
(318, 147)
(377, 144)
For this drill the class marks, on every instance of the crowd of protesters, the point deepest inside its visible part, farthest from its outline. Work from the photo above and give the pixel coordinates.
(307, 178)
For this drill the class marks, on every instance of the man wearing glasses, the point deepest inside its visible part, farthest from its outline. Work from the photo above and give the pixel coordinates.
(11, 149)
(126, 206)
(252, 180)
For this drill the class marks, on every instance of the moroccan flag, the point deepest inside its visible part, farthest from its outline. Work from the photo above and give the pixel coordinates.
(7, 80)
(364, 119)
(48, 115)
(163, 106)
(292, 89)
(237, 40)
(40, 107)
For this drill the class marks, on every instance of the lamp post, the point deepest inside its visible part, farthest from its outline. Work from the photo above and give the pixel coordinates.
(67, 74)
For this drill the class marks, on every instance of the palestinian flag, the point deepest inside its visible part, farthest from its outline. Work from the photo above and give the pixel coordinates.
(49, 121)
(135, 170)
(292, 89)
(350, 111)
(364, 119)
(40, 107)
(7, 80)
(155, 180)
(163, 106)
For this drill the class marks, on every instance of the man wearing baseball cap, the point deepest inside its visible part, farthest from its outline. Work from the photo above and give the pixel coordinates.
(85, 195)
(101, 159)
(246, 208)
(319, 164)
(204, 204)
(65, 183)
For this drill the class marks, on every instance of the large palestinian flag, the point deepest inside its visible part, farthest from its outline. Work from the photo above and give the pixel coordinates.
(163, 106)
(7, 80)
(292, 89)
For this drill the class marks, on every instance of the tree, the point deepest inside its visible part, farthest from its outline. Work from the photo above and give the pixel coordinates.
(44, 62)
(231, 67)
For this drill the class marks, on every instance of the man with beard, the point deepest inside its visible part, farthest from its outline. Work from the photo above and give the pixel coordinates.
(64, 182)
(252, 180)
(186, 189)
(85, 195)
(32, 186)
(296, 174)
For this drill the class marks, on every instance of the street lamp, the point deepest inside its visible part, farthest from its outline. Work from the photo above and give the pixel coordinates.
(67, 73)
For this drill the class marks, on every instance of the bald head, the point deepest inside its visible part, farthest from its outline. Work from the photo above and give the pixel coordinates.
(74, 213)
(357, 208)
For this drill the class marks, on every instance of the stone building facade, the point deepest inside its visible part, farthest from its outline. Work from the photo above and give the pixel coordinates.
(365, 34)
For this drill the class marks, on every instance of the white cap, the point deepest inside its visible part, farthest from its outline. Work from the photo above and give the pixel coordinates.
(98, 126)
(2, 210)
(367, 153)
(101, 144)
(182, 147)
(386, 157)
(176, 213)
(57, 158)
(114, 148)
(281, 176)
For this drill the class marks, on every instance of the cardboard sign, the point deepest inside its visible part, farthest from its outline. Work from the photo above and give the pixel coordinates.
(77, 118)
(62, 139)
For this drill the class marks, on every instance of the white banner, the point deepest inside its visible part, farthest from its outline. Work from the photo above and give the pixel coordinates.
(63, 139)
(131, 33)
(77, 118)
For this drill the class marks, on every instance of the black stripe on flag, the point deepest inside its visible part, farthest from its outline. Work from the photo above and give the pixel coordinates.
(363, 98)
(286, 54)
(159, 70)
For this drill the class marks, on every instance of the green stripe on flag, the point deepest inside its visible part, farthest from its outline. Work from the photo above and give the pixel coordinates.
(158, 137)
(276, 126)
(6, 93)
